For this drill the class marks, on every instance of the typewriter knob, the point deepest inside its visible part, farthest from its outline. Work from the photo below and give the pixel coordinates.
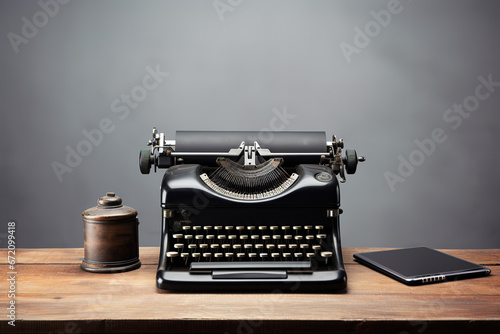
(351, 161)
(145, 161)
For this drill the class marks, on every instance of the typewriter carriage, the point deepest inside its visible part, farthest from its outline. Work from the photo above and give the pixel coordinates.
(162, 153)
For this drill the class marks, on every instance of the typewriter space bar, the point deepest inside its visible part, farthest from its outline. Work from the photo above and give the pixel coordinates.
(229, 274)
(204, 266)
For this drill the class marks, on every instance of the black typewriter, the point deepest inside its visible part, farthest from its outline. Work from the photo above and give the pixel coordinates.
(250, 210)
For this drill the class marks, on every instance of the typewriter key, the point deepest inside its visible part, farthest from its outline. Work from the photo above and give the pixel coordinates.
(326, 255)
(172, 254)
(111, 236)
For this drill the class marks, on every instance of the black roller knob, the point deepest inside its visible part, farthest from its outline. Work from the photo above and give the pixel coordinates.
(351, 161)
(145, 161)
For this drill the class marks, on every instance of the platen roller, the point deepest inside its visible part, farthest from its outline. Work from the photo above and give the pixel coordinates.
(279, 142)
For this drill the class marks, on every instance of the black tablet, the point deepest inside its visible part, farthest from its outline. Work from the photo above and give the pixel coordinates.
(420, 265)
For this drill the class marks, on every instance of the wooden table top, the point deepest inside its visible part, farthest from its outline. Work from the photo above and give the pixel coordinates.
(54, 295)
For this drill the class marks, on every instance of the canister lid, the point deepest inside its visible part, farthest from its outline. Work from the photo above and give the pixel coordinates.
(110, 200)
(109, 207)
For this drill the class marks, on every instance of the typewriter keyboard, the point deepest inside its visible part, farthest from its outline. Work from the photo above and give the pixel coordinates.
(191, 244)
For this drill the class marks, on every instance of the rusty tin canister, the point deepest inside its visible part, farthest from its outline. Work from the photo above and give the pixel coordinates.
(111, 236)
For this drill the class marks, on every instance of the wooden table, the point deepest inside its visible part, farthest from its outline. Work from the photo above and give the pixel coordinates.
(54, 295)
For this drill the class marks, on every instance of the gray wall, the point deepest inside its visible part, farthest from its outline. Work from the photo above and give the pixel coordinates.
(229, 72)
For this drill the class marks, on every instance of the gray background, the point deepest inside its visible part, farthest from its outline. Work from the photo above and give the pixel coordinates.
(230, 75)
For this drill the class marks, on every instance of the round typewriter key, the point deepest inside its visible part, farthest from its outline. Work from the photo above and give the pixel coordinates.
(214, 246)
(240, 255)
(270, 246)
(252, 255)
(296, 228)
(321, 236)
(263, 255)
(298, 237)
(229, 255)
(298, 255)
(319, 227)
(250, 228)
(292, 246)
(309, 237)
(217, 228)
(287, 255)
(203, 246)
(192, 246)
(207, 255)
(228, 228)
(172, 254)
(206, 228)
(255, 237)
(186, 227)
(179, 246)
(275, 255)
(210, 237)
(247, 246)
(304, 246)
(281, 246)
(218, 255)
(266, 237)
(196, 255)
(196, 228)
(184, 255)
(243, 237)
(273, 228)
(236, 247)
(326, 255)
(226, 246)
(276, 237)
(178, 236)
(316, 247)
(199, 237)
(309, 254)
(285, 228)
(221, 237)
(240, 228)
(232, 237)
(308, 227)
(288, 237)
(259, 246)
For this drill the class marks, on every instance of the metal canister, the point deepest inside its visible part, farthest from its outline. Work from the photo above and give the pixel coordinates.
(111, 236)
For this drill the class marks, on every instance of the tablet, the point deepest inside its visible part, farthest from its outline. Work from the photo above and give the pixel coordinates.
(420, 265)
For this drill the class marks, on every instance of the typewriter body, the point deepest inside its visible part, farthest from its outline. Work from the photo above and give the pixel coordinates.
(250, 210)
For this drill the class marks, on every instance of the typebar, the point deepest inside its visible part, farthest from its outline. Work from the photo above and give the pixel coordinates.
(246, 265)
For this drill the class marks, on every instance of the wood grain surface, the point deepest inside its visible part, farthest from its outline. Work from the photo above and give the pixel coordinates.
(54, 295)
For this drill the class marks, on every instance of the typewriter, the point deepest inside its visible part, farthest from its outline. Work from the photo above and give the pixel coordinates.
(250, 210)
